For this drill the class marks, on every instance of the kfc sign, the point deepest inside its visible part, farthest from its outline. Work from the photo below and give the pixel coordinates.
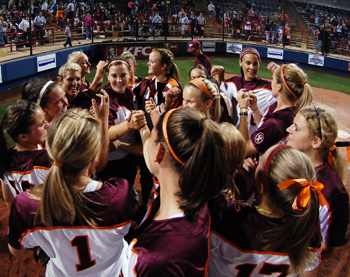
(112, 52)
(172, 46)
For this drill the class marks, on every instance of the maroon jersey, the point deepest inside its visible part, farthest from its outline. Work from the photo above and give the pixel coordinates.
(246, 185)
(250, 85)
(84, 86)
(272, 128)
(170, 247)
(146, 89)
(82, 100)
(203, 60)
(79, 250)
(334, 215)
(25, 169)
(234, 248)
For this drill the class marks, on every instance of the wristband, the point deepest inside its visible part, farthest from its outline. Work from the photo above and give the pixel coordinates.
(255, 109)
(243, 114)
(244, 110)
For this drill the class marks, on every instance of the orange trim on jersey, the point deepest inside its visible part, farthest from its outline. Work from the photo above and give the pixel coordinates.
(255, 251)
(72, 228)
(172, 82)
(137, 254)
(261, 88)
(30, 171)
(42, 147)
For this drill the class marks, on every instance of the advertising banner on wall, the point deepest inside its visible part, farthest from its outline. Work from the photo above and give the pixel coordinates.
(46, 62)
(274, 53)
(139, 51)
(172, 46)
(348, 66)
(208, 46)
(235, 48)
(316, 60)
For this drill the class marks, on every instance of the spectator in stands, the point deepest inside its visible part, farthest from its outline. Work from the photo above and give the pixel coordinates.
(70, 9)
(280, 35)
(39, 22)
(156, 22)
(273, 32)
(60, 15)
(88, 25)
(326, 42)
(24, 26)
(268, 31)
(192, 21)
(4, 12)
(236, 24)
(15, 12)
(3, 31)
(320, 35)
(311, 19)
(247, 28)
(201, 22)
(211, 9)
(181, 13)
(226, 20)
(184, 22)
(36, 7)
(195, 48)
(162, 9)
(251, 12)
(44, 7)
(154, 8)
(68, 34)
(113, 11)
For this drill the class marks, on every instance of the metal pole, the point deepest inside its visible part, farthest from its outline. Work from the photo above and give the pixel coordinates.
(284, 27)
(30, 29)
(93, 19)
(223, 21)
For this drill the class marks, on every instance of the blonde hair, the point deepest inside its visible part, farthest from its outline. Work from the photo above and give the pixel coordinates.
(235, 149)
(329, 130)
(127, 55)
(215, 110)
(74, 56)
(295, 79)
(64, 69)
(294, 234)
(167, 57)
(73, 140)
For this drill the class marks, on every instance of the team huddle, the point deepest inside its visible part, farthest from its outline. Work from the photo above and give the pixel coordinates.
(246, 173)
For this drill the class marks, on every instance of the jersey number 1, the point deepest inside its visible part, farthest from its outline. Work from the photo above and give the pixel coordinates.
(83, 250)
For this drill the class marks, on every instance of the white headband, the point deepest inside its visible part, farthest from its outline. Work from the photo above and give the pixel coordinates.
(42, 92)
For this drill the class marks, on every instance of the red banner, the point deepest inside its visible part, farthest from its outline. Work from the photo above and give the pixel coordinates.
(142, 51)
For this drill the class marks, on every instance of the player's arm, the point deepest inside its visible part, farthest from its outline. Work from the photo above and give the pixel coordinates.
(96, 83)
(17, 252)
(131, 148)
(7, 194)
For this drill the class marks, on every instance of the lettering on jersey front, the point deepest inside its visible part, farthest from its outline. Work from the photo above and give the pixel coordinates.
(259, 138)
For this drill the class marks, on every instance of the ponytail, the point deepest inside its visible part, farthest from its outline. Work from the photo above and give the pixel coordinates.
(73, 141)
(299, 223)
(295, 85)
(197, 143)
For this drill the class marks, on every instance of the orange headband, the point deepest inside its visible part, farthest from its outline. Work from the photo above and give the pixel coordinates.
(304, 195)
(201, 85)
(165, 134)
(57, 164)
(284, 80)
(118, 61)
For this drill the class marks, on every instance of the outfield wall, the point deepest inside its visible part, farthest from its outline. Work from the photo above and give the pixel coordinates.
(16, 72)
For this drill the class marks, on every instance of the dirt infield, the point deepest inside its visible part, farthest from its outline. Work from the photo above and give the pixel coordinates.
(339, 266)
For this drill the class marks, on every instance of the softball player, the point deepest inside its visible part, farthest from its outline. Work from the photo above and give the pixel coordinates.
(48, 94)
(249, 61)
(314, 132)
(279, 234)
(290, 88)
(79, 223)
(188, 159)
(27, 163)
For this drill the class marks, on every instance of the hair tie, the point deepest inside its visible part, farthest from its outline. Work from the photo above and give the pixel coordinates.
(57, 164)
(272, 154)
(344, 144)
(285, 83)
(303, 83)
(201, 121)
(119, 61)
(202, 86)
(331, 154)
(165, 134)
(249, 51)
(42, 91)
(303, 197)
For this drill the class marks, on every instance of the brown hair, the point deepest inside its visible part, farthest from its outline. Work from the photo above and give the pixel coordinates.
(167, 57)
(298, 226)
(295, 85)
(198, 143)
(329, 129)
(235, 148)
